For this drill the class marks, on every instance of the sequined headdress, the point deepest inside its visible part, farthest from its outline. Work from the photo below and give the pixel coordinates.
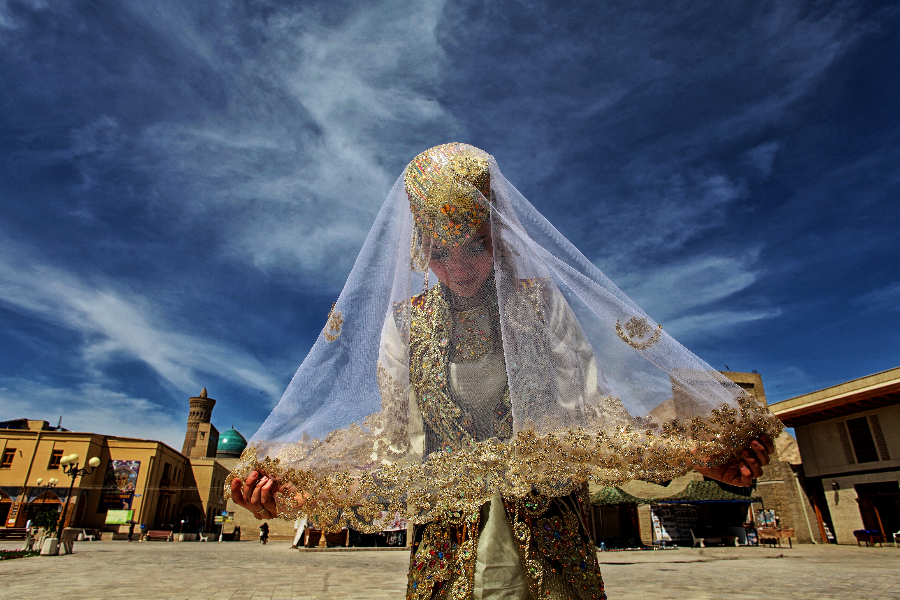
(448, 186)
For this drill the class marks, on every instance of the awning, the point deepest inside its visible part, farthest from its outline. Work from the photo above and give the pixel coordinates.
(695, 492)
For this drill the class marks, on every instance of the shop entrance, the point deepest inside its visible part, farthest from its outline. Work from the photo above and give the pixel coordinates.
(879, 506)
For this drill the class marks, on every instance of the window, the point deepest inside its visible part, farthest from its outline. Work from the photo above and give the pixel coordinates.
(166, 470)
(8, 456)
(863, 443)
(55, 458)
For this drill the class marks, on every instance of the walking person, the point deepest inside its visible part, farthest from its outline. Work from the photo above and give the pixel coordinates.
(264, 533)
(300, 526)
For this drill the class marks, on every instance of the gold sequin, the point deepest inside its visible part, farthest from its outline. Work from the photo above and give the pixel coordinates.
(472, 334)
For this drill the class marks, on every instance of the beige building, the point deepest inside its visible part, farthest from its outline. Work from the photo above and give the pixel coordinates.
(849, 438)
(161, 485)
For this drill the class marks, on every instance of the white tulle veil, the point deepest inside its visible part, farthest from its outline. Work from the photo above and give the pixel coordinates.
(596, 390)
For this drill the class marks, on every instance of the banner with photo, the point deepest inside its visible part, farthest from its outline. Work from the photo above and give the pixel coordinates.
(119, 484)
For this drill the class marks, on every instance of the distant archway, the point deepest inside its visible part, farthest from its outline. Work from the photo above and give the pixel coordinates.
(47, 501)
(193, 517)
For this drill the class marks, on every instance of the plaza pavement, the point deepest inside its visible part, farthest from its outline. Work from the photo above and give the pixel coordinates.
(249, 571)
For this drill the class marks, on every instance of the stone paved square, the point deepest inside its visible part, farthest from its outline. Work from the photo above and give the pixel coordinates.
(250, 571)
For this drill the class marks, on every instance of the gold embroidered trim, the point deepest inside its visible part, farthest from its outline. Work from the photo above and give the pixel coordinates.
(445, 557)
(638, 327)
(333, 325)
(430, 331)
(459, 481)
(562, 540)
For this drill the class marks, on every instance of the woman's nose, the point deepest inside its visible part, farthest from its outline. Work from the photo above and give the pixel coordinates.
(455, 263)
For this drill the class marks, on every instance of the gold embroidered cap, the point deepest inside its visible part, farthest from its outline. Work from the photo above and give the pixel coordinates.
(447, 186)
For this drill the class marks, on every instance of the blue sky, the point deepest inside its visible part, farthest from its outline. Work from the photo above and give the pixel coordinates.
(184, 186)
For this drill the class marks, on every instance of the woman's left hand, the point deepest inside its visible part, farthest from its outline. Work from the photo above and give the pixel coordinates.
(742, 470)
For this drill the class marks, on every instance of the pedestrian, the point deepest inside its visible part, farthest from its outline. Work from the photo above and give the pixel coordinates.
(481, 407)
(300, 526)
(264, 533)
(131, 525)
(29, 535)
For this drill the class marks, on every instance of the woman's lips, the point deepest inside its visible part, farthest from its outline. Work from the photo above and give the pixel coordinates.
(466, 282)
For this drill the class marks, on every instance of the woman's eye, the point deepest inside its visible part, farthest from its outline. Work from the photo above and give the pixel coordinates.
(439, 255)
(477, 248)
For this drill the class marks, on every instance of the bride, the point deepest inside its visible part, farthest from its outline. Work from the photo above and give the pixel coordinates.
(481, 407)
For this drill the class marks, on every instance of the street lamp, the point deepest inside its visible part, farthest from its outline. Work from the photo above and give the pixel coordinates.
(42, 489)
(39, 484)
(70, 467)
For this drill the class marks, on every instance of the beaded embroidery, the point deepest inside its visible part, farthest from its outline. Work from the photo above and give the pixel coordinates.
(637, 328)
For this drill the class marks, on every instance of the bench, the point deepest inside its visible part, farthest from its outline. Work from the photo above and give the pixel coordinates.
(714, 539)
(158, 535)
(868, 536)
(773, 535)
(12, 533)
(72, 534)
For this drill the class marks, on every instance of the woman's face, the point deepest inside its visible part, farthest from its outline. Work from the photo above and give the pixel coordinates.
(465, 268)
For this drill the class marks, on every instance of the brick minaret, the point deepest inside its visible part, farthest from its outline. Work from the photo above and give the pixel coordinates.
(201, 412)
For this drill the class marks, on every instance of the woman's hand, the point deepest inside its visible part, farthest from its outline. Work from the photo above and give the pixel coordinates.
(741, 471)
(257, 494)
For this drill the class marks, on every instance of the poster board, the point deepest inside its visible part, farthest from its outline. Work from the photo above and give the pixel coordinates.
(766, 518)
(119, 485)
(119, 517)
(673, 522)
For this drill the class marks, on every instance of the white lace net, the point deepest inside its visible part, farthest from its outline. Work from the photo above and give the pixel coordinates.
(549, 377)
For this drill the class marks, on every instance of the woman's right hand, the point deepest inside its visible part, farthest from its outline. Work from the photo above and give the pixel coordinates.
(257, 494)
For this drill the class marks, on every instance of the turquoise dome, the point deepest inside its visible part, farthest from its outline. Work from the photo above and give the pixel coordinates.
(231, 444)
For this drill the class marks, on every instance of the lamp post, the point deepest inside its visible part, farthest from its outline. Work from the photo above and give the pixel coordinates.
(70, 466)
(39, 485)
(40, 489)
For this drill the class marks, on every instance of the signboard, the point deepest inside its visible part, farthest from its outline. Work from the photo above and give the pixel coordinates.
(766, 518)
(673, 521)
(119, 517)
(118, 485)
(13, 514)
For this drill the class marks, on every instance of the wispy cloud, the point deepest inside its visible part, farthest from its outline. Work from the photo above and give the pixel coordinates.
(116, 324)
(886, 298)
(90, 407)
(319, 122)
(691, 297)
